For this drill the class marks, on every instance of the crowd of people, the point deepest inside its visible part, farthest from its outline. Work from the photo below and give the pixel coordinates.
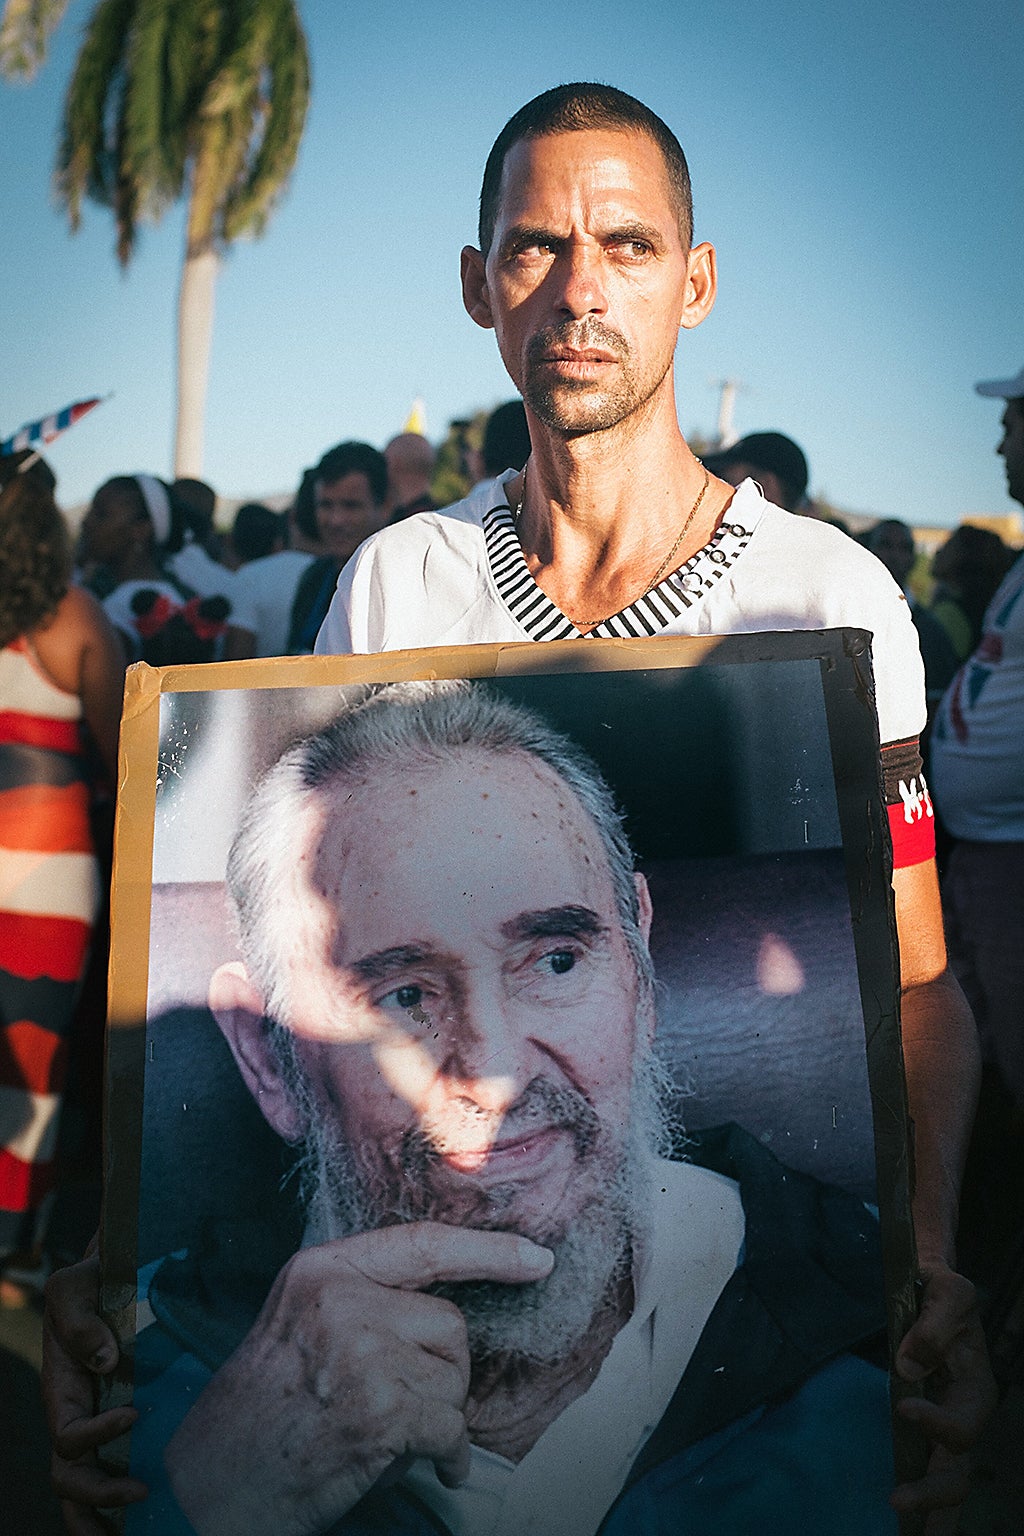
(516, 559)
(149, 578)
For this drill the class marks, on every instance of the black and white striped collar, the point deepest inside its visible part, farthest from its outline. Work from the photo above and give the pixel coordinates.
(650, 614)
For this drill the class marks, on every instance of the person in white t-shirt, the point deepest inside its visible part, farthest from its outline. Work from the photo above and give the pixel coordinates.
(586, 270)
(265, 583)
(977, 754)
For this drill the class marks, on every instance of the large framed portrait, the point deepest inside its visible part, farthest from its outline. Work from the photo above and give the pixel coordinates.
(506, 1120)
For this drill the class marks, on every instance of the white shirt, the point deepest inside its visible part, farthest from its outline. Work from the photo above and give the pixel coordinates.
(118, 604)
(264, 593)
(198, 570)
(566, 1483)
(977, 747)
(458, 577)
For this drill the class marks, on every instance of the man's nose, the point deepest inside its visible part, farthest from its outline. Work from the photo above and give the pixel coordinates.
(490, 1055)
(578, 272)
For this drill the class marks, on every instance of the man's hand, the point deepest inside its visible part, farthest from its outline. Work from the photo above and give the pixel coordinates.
(348, 1369)
(77, 1347)
(945, 1351)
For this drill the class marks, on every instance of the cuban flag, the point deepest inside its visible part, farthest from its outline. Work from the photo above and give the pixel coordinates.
(48, 427)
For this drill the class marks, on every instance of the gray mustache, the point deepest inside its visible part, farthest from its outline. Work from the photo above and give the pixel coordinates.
(540, 1103)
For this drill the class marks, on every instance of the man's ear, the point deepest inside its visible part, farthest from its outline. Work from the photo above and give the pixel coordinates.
(237, 1006)
(645, 915)
(474, 287)
(701, 286)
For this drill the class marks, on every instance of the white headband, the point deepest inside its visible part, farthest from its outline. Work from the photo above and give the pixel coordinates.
(158, 505)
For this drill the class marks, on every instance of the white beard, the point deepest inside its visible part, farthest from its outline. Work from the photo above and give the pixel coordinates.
(358, 1189)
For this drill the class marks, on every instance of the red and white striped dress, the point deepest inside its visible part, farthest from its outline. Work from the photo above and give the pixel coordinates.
(49, 894)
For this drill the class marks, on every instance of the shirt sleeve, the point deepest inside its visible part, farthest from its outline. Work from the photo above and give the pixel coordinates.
(898, 668)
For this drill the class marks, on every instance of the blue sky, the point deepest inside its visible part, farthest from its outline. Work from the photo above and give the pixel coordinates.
(859, 169)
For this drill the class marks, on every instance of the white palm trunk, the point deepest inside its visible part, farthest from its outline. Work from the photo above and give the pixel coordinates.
(195, 332)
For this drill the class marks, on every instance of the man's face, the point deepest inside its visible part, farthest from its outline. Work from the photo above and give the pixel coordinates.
(346, 513)
(461, 995)
(894, 546)
(586, 279)
(1011, 448)
(112, 525)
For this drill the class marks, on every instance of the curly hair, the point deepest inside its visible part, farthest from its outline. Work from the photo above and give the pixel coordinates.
(35, 561)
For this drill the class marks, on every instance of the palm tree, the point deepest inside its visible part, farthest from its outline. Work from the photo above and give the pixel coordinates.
(202, 98)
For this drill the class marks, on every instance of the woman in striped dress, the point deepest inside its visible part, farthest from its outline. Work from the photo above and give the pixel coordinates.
(61, 668)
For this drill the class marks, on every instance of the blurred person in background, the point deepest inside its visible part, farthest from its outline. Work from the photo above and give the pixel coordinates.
(777, 464)
(892, 542)
(61, 685)
(506, 443)
(132, 529)
(198, 562)
(967, 570)
(410, 460)
(266, 584)
(350, 490)
(978, 780)
(255, 533)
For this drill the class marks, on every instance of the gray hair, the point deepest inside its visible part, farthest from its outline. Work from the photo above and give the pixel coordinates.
(406, 727)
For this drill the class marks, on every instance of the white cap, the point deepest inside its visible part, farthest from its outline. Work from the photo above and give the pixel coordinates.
(1003, 389)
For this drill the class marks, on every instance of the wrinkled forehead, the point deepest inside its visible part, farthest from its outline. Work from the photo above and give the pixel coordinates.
(624, 161)
(465, 807)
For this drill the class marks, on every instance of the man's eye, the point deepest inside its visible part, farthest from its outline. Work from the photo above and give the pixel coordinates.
(407, 998)
(558, 961)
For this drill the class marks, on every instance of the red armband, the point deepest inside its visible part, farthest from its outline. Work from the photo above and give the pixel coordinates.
(911, 817)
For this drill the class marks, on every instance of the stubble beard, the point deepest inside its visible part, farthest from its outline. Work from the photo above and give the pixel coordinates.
(513, 1327)
(577, 407)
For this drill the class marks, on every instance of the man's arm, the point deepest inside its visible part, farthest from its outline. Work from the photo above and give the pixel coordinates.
(940, 1051)
(945, 1349)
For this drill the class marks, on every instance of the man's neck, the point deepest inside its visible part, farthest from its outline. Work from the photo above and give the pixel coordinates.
(602, 511)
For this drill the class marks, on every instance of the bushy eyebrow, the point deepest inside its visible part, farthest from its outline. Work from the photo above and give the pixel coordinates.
(521, 236)
(568, 922)
(635, 231)
(385, 963)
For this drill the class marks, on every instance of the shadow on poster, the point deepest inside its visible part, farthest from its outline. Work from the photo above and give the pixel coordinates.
(506, 1117)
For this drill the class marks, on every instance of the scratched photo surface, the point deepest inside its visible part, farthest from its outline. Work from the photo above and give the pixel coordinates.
(467, 1038)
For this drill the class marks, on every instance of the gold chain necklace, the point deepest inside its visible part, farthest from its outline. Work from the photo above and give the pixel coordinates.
(594, 623)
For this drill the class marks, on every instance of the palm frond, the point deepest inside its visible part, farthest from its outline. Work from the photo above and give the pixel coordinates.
(124, 192)
(164, 92)
(147, 157)
(87, 149)
(25, 29)
(282, 70)
(195, 47)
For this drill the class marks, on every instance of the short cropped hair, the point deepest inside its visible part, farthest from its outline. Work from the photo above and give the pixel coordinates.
(255, 531)
(778, 454)
(407, 726)
(355, 459)
(572, 109)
